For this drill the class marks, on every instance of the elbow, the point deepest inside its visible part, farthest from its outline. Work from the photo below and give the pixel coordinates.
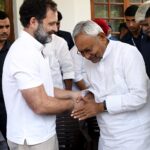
(39, 110)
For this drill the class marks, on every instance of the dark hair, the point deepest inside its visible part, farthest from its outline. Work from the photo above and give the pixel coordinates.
(147, 13)
(59, 16)
(3, 15)
(131, 10)
(35, 8)
(122, 25)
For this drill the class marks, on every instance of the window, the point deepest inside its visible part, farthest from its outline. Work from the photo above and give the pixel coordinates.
(6, 5)
(112, 10)
(2, 5)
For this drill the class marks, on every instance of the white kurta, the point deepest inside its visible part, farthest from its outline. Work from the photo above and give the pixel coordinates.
(121, 80)
(60, 61)
(79, 67)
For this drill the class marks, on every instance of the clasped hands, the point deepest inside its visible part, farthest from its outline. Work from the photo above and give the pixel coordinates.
(86, 107)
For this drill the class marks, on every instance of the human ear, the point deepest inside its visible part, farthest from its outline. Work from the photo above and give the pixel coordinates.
(101, 36)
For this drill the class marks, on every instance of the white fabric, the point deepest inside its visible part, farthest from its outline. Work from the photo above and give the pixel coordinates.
(79, 66)
(60, 60)
(121, 80)
(24, 68)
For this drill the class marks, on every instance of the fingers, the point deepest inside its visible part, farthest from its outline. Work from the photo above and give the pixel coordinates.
(81, 115)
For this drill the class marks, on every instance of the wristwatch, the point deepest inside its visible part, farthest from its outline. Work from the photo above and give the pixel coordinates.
(105, 107)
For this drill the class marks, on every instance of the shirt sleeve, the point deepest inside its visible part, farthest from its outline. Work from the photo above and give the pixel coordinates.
(26, 72)
(136, 79)
(65, 61)
(78, 64)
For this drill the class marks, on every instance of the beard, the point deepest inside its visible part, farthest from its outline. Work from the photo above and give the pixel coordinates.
(42, 36)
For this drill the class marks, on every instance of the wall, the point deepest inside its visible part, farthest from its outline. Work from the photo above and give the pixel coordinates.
(17, 24)
(72, 11)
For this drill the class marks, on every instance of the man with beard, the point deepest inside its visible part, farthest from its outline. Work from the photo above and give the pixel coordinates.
(134, 35)
(4, 47)
(118, 93)
(27, 84)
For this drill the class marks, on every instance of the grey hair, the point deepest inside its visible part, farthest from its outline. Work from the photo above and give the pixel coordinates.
(87, 27)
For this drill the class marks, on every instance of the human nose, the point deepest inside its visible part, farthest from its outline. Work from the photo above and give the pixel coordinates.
(131, 23)
(54, 27)
(86, 55)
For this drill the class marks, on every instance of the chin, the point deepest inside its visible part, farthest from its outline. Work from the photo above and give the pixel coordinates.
(95, 60)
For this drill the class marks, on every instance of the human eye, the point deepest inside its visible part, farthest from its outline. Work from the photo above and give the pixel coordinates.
(1, 27)
(7, 26)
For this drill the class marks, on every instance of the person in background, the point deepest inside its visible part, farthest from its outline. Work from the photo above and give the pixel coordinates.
(110, 36)
(31, 100)
(103, 24)
(123, 30)
(134, 35)
(61, 63)
(64, 34)
(62, 69)
(5, 43)
(142, 16)
(118, 93)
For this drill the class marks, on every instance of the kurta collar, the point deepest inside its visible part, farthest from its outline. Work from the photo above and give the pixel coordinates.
(108, 49)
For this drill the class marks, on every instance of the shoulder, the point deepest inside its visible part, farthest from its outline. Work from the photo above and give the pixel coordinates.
(56, 38)
(123, 48)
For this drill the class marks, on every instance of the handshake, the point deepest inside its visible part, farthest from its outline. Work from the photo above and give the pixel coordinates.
(86, 107)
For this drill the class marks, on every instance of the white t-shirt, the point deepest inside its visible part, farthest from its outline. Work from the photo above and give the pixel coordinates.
(25, 67)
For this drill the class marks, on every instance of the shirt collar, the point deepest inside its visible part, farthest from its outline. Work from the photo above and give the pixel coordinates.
(31, 40)
(108, 49)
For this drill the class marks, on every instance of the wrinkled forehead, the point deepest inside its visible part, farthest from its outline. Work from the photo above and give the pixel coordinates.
(84, 41)
(82, 38)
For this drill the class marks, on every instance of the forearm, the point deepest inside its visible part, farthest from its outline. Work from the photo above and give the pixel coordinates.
(54, 106)
(41, 103)
(68, 84)
(81, 85)
(63, 94)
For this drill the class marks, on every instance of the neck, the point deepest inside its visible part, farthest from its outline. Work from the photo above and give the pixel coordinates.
(2, 44)
(136, 33)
